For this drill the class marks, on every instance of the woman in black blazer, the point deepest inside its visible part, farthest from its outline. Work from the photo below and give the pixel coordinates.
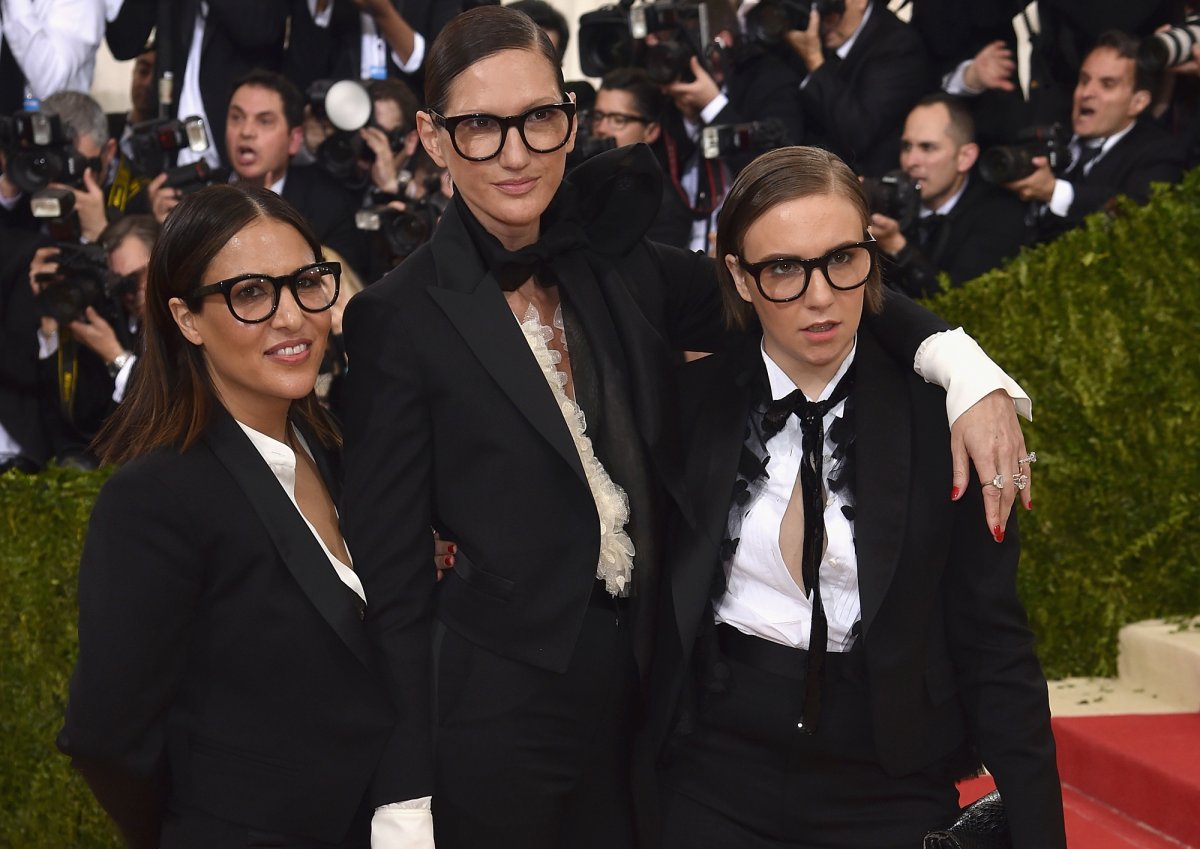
(846, 641)
(225, 692)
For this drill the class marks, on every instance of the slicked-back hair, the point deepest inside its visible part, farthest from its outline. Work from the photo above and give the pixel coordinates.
(784, 174)
(293, 100)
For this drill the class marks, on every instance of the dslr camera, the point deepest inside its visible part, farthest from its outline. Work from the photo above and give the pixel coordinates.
(721, 140)
(615, 37)
(896, 195)
(769, 22)
(346, 104)
(403, 231)
(38, 152)
(83, 280)
(153, 145)
(1006, 163)
(1171, 47)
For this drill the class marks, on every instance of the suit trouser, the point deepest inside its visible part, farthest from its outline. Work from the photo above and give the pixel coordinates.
(527, 758)
(747, 778)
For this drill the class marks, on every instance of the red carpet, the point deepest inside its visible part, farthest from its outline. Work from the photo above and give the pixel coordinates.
(1129, 782)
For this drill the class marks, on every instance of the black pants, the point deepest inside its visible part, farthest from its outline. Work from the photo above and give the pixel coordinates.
(532, 759)
(747, 778)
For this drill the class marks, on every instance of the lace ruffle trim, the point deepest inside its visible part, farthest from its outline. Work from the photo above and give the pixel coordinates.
(615, 565)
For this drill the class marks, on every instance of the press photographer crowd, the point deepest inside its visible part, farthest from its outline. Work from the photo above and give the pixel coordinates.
(966, 153)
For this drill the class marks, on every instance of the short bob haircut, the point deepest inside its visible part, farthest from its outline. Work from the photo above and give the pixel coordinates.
(475, 35)
(171, 398)
(785, 174)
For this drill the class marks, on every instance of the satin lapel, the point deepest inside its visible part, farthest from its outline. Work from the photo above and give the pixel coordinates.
(288, 531)
(883, 424)
(468, 295)
(718, 432)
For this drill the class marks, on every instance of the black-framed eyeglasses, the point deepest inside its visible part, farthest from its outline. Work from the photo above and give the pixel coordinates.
(479, 136)
(252, 298)
(618, 119)
(785, 278)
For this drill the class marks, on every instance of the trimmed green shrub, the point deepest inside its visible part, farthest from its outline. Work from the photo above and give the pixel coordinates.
(42, 523)
(1101, 328)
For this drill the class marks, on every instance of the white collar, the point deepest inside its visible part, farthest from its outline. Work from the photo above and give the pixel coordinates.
(946, 207)
(782, 385)
(846, 47)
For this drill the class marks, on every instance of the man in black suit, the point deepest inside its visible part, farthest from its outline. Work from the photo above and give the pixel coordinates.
(23, 442)
(1115, 151)
(235, 37)
(966, 226)
(866, 69)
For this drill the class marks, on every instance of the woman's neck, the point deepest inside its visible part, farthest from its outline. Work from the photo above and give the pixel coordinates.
(510, 237)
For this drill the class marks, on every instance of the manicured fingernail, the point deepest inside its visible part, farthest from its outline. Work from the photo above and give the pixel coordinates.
(954, 493)
(453, 548)
(998, 533)
(1029, 506)
(449, 561)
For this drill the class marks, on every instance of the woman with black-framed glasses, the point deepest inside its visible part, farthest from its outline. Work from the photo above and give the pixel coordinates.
(226, 693)
(848, 642)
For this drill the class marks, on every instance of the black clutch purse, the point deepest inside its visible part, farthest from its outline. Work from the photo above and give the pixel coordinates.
(980, 825)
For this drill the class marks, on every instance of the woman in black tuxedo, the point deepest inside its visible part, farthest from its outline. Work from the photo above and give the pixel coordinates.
(511, 385)
(225, 692)
(847, 642)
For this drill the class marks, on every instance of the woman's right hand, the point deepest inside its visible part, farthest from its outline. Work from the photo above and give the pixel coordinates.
(443, 555)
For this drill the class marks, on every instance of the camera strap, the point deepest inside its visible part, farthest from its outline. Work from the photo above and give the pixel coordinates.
(710, 181)
(68, 372)
(124, 186)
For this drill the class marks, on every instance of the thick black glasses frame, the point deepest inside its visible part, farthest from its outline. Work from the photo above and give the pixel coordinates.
(822, 262)
(450, 124)
(225, 287)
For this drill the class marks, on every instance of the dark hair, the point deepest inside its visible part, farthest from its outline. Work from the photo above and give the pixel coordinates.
(1145, 76)
(144, 228)
(293, 100)
(784, 174)
(172, 398)
(477, 34)
(548, 18)
(646, 95)
(399, 93)
(962, 126)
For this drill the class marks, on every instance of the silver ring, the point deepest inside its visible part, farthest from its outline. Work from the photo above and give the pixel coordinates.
(1029, 458)
(1020, 481)
(998, 481)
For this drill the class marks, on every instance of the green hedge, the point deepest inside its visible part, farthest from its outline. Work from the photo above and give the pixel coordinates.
(42, 524)
(1101, 327)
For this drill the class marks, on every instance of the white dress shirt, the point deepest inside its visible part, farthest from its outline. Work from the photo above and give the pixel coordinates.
(54, 42)
(761, 597)
(191, 102)
(401, 825)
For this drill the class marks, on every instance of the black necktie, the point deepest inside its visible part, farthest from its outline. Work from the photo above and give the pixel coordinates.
(812, 425)
(1087, 152)
(928, 229)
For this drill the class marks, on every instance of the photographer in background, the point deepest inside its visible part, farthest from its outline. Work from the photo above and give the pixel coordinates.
(86, 128)
(865, 70)
(1114, 150)
(391, 137)
(965, 226)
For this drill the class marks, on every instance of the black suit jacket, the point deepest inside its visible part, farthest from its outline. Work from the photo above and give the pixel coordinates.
(856, 106)
(20, 408)
(223, 666)
(949, 654)
(1147, 154)
(238, 37)
(986, 227)
(329, 208)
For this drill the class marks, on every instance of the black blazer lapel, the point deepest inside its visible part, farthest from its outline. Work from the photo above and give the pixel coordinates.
(288, 531)
(883, 423)
(473, 302)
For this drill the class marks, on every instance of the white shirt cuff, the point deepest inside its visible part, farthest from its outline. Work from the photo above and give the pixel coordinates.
(403, 825)
(122, 380)
(47, 344)
(710, 112)
(322, 18)
(10, 202)
(1063, 197)
(955, 82)
(414, 61)
(954, 361)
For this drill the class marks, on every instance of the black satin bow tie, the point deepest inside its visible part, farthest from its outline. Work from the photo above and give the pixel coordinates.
(810, 413)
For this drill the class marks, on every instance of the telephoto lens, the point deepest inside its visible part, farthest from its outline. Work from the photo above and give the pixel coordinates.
(1172, 47)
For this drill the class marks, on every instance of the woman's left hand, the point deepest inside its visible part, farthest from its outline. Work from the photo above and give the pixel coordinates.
(989, 436)
(443, 555)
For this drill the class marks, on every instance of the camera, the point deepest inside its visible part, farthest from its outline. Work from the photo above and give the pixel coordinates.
(39, 152)
(1006, 163)
(896, 195)
(615, 37)
(1173, 47)
(82, 280)
(770, 20)
(403, 231)
(721, 140)
(346, 104)
(153, 145)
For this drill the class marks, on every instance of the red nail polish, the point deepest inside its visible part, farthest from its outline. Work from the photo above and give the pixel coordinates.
(954, 493)
(1029, 506)
(453, 548)
(998, 533)
(449, 561)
